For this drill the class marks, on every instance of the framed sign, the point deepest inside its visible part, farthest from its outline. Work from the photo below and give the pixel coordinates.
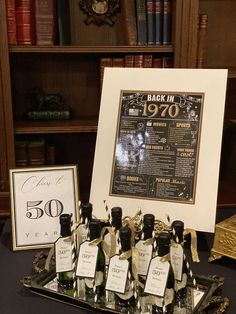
(162, 151)
(38, 197)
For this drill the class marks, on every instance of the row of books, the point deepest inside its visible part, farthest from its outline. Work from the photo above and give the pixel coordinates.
(148, 22)
(40, 22)
(136, 61)
(36, 152)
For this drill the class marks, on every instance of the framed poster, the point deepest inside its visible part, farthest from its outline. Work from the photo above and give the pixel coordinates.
(38, 197)
(162, 151)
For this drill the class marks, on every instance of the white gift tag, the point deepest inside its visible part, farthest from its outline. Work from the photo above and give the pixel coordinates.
(145, 255)
(63, 254)
(176, 258)
(87, 260)
(117, 274)
(83, 230)
(157, 277)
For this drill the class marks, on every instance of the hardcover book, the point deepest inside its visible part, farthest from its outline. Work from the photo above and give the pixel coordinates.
(167, 22)
(63, 21)
(141, 22)
(138, 61)
(21, 153)
(150, 6)
(11, 22)
(157, 63)
(45, 19)
(129, 61)
(118, 62)
(202, 32)
(147, 61)
(129, 16)
(36, 152)
(158, 21)
(25, 22)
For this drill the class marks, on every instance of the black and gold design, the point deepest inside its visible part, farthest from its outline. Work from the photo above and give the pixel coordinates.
(99, 11)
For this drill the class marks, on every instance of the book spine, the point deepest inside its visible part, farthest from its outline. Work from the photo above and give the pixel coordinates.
(104, 62)
(202, 31)
(49, 115)
(118, 62)
(158, 22)
(21, 153)
(45, 20)
(167, 22)
(36, 153)
(150, 5)
(168, 62)
(63, 21)
(138, 61)
(11, 22)
(157, 63)
(50, 154)
(147, 61)
(129, 61)
(25, 22)
(129, 22)
(141, 22)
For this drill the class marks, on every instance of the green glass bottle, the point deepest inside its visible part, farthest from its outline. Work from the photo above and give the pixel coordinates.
(86, 216)
(65, 279)
(163, 249)
(116, 223)
(180, 285)
(127, 299)
(145, 257)
(147, 233)
(99, 282)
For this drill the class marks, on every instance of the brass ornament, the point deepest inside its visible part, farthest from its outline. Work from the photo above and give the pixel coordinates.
(225, 239)
(99, 12)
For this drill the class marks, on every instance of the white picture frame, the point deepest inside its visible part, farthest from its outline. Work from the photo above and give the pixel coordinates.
(198, 214)
(38, 197)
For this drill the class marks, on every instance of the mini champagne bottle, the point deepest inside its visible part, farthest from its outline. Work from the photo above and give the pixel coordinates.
(116, 223)
(181, 282)
(127, 299)
(99, 281)
(145, 251)
(86, 216)
(166, 305)
(65, 279)
(147, 233)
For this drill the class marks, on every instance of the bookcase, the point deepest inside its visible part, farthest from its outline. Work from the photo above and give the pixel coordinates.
(74, 72)
(220, 52)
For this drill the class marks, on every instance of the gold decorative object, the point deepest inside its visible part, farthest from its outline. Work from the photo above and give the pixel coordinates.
(99, 11)
(225, 239)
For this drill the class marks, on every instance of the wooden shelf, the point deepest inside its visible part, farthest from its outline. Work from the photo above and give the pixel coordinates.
(65, 126)
(89, 49)
(232, 73)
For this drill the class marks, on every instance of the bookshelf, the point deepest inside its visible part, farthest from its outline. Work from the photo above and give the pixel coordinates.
(73, 71)
(220, 52)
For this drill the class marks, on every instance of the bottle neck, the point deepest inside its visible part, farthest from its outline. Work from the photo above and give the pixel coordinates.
(147, 232)
(125, 244)
(116, 223)
(163, 250)
(86, 218)
(65, 230)
(178, 237)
